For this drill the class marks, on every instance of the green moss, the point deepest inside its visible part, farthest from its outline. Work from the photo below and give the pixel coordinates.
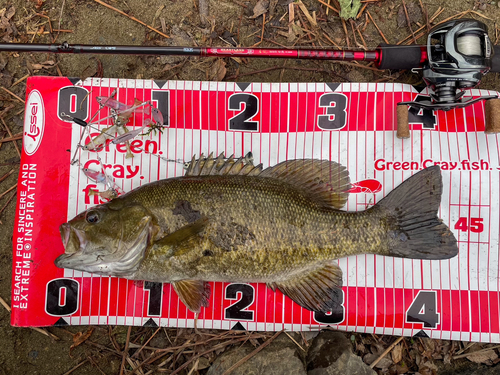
(349, 8)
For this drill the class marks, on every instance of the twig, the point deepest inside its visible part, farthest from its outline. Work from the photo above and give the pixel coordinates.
(7, 109)
(374, 24)
(466, 347)
(296, 343)
(143, 346)
(479, 14)
(48, 32)
(77, 366)
(10, 189)
(426, 14)
(19, 80)
(10, 133)
(478, 351)
(7, 203)
(40, 330)
(60, 16)
(346, 34)
(361, 11)
(48, 18)
(281, 67)
(195, 367)
(386, 352)
(240, 4)
(5, 304)
(133, 364)
(306, 29)
(14, 95)
(331, 41)
(307, 14)
(408, 21)
(246, 358)
(6, 175)
(329, 6)
(203, 11)
(434, 16)
(362, 39)
(132, 18)
(125, 350)
(353, 32)
(358, 65)
(13, 138)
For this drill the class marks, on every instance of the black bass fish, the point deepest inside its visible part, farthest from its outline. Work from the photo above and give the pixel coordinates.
(228, 220)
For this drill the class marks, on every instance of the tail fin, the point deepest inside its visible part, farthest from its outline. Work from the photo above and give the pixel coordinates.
(412, 207)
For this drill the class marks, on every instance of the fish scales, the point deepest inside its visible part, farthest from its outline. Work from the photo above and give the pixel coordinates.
(228, 220)
(285, 229)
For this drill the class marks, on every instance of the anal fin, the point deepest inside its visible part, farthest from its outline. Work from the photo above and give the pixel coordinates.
(315, 290)
(195, 294)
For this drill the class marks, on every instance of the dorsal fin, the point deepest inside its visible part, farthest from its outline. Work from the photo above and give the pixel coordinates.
(221, 166)
(327, 181)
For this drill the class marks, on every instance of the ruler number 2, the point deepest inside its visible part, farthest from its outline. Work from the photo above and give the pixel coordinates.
(242, 121)
(244, 295)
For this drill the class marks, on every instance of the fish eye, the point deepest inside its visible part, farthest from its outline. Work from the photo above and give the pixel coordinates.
(92, 217)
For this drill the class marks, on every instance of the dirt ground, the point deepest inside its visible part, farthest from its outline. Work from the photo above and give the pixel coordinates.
(25, 351)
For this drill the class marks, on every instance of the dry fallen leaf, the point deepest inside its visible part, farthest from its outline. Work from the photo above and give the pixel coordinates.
(47, 65)
(218, 70)
(487, 357)
(80, 338)
(260, 8)
(384, 364)
(38, 3)
(397, 353)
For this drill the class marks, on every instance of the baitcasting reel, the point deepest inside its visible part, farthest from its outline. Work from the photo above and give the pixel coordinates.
(459, 54)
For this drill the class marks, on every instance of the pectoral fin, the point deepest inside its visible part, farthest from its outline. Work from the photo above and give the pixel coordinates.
(185, 238)
(315, 290)
(193, 293)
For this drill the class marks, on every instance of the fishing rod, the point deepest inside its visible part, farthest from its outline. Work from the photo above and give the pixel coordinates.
(457, 55)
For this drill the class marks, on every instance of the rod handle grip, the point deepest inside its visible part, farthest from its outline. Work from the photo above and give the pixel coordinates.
(399, 57)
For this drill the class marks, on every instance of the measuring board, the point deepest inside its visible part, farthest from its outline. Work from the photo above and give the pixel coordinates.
(353, 124)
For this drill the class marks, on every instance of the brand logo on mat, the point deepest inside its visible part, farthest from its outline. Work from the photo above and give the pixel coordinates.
(34, 122)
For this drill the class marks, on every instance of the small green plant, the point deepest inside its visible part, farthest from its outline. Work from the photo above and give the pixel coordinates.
(349, 8)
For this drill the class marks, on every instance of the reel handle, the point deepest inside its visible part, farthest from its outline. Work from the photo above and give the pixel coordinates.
(495, 61)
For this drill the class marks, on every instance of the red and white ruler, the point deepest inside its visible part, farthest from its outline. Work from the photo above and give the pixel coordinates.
(353, 124)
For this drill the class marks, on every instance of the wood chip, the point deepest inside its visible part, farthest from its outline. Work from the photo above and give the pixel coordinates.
(307, 14)
(260, 8)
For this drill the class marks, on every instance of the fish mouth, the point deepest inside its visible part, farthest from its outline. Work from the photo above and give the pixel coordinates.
(61, 260)
(73, 239)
